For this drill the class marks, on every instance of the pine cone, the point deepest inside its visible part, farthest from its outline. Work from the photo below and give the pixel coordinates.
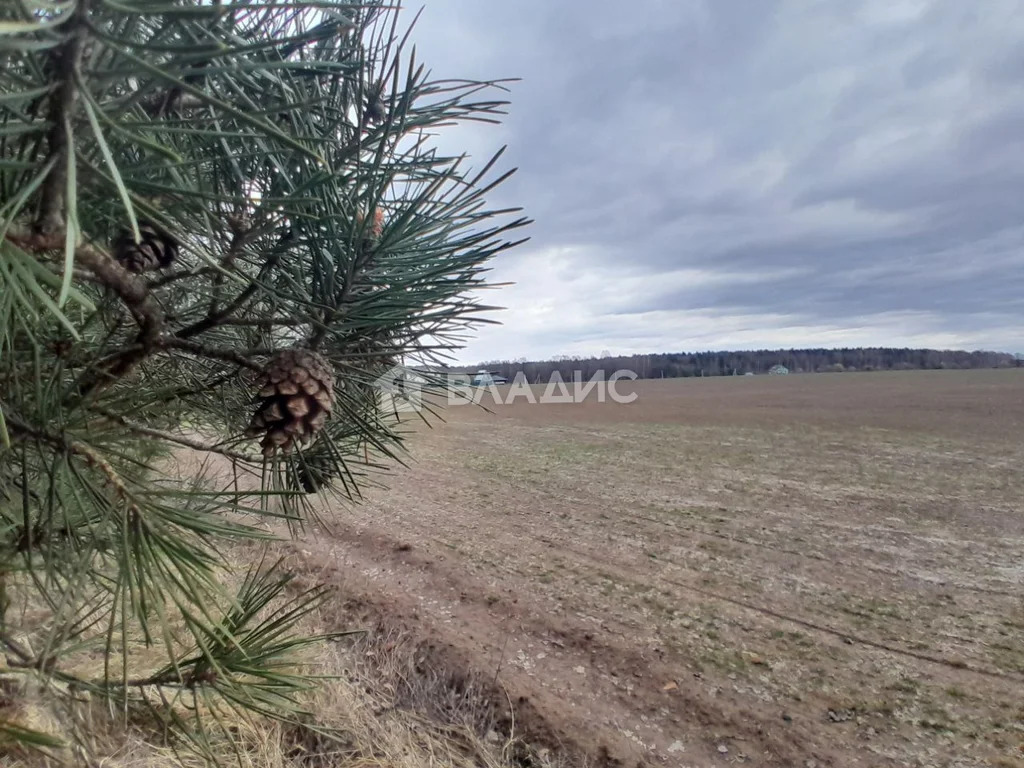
(155, 249)
(314, 472)
(294, 401)
(376, 110)
(371, 233)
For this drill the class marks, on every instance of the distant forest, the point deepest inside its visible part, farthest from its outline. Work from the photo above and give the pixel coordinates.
(680, 364)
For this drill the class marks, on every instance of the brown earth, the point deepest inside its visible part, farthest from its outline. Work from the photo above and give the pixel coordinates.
(820, 570)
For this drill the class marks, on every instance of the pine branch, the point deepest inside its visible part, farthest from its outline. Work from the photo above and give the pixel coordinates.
(66, 61)
(214, 316)
(340, 129)
(242, 357)
(169, 437)
(183, 274)
(207, 386)
(354, 270)
(132, 290)
(240, 229)
(92, 458)
(291, 321)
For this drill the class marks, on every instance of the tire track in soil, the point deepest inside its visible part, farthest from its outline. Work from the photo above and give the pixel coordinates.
(588, 715)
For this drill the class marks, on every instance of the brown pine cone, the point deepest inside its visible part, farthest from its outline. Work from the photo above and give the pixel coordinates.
(155, 250)
(294, 401)
(372, 231)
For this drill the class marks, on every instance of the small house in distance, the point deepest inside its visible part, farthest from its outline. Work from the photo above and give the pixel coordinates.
(778, 370)
(487, 378)
(460, 376)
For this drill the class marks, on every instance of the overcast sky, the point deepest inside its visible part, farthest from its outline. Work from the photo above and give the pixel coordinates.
(735, 174)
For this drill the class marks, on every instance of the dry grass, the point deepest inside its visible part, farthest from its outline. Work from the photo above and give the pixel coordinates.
(382, 702)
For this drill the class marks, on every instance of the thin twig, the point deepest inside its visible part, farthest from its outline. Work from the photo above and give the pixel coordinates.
(15, 647)
(173, 438)
(25, 660)
(240, 357)
(206, 386)
(213, 319)
(240, 229)
(363, 259)
(501, 658)
(180, 275)
(289, 321)
(18, 427)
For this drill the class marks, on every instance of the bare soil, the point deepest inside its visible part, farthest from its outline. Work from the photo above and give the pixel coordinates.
(820, 570)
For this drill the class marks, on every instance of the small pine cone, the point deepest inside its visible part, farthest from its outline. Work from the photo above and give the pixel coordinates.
(372, 233)
(294, 401)
(155, 249)
(313, 473)
(376, 110)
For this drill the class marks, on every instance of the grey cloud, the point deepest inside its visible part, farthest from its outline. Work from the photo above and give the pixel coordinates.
(868, 150)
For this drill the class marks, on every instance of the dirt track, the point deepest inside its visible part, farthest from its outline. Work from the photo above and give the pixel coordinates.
(805, 570)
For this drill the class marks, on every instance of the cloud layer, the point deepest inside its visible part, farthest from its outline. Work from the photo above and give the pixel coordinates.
(711, 174)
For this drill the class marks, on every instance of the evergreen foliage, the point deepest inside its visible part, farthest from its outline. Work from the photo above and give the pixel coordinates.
(188, 187)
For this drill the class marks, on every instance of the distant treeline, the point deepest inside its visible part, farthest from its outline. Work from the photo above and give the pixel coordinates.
(673, 365)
